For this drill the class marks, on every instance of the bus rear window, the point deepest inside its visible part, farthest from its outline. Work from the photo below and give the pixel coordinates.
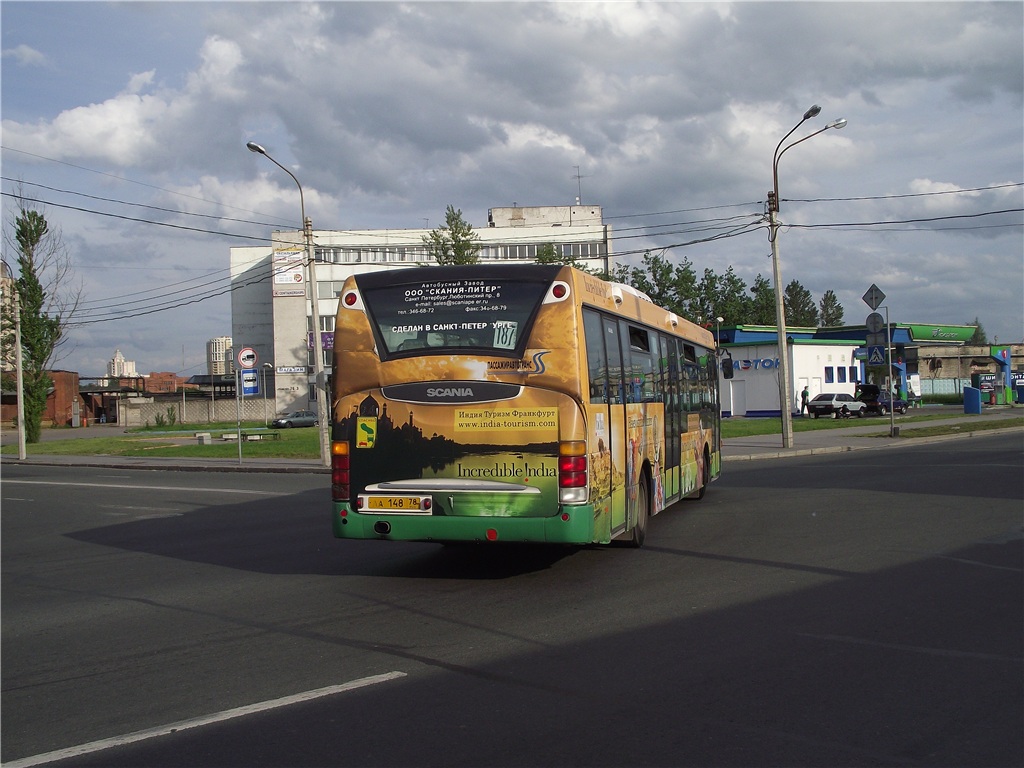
(431, 315)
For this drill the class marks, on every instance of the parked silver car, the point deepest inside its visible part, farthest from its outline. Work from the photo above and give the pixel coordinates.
(297, 419)
(836, 405)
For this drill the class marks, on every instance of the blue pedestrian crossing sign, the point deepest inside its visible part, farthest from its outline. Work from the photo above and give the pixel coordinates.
(876, 355)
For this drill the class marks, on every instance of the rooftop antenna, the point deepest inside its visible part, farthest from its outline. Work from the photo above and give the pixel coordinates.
(579, 186)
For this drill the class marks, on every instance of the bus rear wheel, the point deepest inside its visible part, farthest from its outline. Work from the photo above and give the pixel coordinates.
(703, 470)
(639, 534)
(705, 475)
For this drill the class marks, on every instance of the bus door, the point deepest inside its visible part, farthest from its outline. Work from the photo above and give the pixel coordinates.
(607, 412)
(670, 376)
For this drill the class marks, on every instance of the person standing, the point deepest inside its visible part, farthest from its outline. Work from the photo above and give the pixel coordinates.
(805, 396)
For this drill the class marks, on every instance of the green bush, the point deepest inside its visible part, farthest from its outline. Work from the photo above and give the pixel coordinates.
(952, 399)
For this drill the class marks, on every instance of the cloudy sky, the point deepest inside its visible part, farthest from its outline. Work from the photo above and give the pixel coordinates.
(128, 122)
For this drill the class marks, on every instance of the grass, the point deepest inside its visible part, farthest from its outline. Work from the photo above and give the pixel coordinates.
(741, 427)
(948, 429)
(179, 440)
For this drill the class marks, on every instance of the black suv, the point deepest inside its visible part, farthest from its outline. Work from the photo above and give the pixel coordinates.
(878, 401)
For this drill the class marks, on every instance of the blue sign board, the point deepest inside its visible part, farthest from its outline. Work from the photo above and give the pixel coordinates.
(876, 355)
(250, 383)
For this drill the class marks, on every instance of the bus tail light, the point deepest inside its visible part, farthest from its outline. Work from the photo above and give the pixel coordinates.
(573, 483)
(559, 291)
(341, 478)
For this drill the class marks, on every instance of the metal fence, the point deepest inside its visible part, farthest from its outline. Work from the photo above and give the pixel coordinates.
(943, 386)
(140, 413)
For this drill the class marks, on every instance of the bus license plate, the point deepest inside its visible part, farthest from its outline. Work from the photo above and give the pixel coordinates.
(396, 503)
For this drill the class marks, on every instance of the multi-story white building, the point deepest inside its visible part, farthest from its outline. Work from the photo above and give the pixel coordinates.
(218, 356)
(119, 368)
(271, 307)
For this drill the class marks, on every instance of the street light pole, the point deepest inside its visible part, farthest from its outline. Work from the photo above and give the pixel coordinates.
(19, 362)
(323, 416)
(266, 419)
(785, 389)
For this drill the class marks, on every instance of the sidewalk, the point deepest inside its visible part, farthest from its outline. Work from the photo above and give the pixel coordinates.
(872, 435)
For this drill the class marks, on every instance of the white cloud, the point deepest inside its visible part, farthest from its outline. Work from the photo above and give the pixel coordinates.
(389, 111)
(140, 82)
(26, 56)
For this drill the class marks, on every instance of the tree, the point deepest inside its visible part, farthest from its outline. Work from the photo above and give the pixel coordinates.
(673, 286)
(548, 254)
(46, 305)
(762, 305)
(454, 242)
(722, 296)
(800, 308)
(980, 338)
(831, 309)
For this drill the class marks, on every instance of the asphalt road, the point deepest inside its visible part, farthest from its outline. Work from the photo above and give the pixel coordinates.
(856, 609)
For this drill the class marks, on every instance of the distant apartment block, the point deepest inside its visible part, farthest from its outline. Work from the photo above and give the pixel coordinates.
(218, 356)
(272, 302)
(119, 368)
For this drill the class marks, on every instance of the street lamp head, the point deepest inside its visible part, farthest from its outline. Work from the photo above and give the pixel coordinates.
(814, 111)
(252, 146)
(837, 124)
(720, 319)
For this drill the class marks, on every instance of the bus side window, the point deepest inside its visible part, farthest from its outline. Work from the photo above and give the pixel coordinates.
(630, 374)
(615, 371)
(597, 360)
(641, 358)
(709, 379)
(691, 379)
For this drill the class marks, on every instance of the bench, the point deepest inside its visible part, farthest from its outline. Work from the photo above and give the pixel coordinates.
(251, 436)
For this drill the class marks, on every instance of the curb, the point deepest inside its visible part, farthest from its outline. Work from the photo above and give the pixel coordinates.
(315, 469)
(904, 441)
(169, 465)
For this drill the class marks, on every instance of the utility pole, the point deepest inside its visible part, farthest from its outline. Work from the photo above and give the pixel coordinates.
(19, 362)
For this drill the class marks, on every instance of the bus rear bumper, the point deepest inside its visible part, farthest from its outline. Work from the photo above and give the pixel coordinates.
(572, 525)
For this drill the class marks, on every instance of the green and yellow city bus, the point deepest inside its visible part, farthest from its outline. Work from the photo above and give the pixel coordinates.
(515, 403)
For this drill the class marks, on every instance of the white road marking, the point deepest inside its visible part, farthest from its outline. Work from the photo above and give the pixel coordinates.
(198, 722)
(146, 487)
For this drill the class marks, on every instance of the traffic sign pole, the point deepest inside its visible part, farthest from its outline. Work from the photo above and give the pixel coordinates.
(247, 360)
(874, 298)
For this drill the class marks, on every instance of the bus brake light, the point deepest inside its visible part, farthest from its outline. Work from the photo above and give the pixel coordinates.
(341, 483)
(572, 471)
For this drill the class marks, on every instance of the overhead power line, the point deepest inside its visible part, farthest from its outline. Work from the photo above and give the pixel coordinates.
(124, 179)
(136, 205)
(121, 307)
(122, 217)
(909, 221)
(1008, 185)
